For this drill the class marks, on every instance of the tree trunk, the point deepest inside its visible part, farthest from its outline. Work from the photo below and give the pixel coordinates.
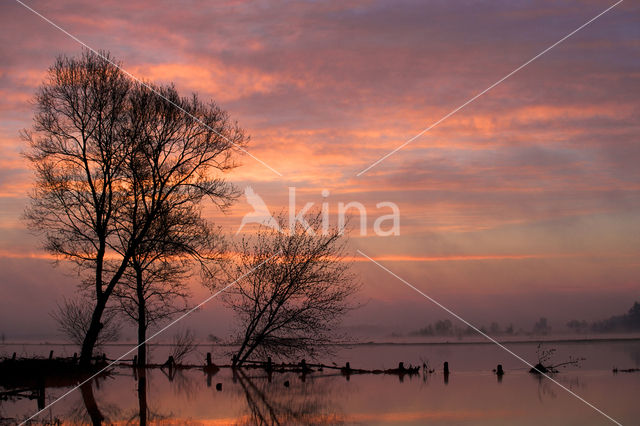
(142, 397)
(142, 349)
(90, 404)
(90, 339)
(142, 319)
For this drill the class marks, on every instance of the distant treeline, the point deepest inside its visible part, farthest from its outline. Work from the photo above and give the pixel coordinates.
(445, 328)
(629, 322)
(624, 323)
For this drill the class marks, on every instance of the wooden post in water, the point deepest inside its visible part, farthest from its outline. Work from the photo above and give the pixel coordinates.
(13, 358)
(346, 371)
(446, 367)
(51, 354)
(41, 394)
(208, 359)
(171, 363)
(269, 369)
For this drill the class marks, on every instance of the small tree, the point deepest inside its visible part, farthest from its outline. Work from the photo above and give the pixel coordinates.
(298, 289)
(183, 343)
(74, 316)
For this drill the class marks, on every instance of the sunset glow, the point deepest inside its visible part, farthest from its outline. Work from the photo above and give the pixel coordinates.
(535, 185)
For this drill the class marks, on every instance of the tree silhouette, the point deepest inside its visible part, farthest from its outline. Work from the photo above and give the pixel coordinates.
(74, 316)
(299, 289)
(112, 158)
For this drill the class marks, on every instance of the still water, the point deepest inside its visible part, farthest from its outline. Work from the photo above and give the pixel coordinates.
(472, 394)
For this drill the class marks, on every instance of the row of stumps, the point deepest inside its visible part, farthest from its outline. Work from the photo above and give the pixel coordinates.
(498, 370)
(75, 356)
(210, 369)
(268, 365)
(101, 359)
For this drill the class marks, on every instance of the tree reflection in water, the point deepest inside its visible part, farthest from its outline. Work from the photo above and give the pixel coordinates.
(270, 403)
(144, 414)
(92, 413)
(87, 410)
(306, 400)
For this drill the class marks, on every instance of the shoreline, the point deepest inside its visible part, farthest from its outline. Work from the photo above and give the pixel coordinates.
(374, 343)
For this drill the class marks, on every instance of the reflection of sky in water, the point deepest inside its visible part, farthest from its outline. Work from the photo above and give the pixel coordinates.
(472, 396)
(600, 355)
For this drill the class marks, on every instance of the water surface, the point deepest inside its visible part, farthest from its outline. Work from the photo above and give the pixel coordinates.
(472, 393)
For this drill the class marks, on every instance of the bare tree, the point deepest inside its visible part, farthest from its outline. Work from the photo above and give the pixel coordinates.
(155, 287)
(184, 343)
(79, 149)
(105, 148)
(74, 315)
(299, 289)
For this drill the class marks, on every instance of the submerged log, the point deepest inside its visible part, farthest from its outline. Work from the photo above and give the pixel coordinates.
(539, 369)
(626, 370)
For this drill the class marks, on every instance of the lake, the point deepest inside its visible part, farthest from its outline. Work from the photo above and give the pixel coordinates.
(471, 394)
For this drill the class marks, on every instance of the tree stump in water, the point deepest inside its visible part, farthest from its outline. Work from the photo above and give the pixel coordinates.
(539, 369)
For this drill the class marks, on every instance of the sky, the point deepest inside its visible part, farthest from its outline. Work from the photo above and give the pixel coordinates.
(523, 204)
